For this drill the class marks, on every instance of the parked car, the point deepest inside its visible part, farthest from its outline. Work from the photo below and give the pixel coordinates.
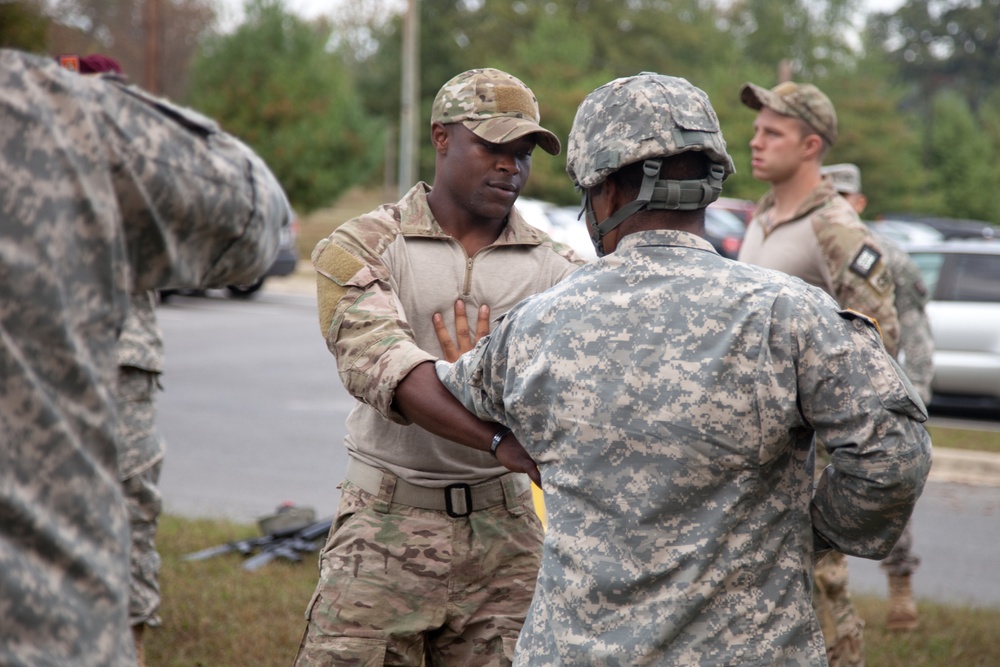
(562, 223)
(741, 208)
(952, 228)
(963, 278)
(283, 265)
(724, 230)
(905, 231)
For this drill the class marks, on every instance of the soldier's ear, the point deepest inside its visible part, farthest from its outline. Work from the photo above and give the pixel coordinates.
(439, 138)
(813, 145)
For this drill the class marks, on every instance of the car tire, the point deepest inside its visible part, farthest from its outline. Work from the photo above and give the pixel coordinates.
(245, 290)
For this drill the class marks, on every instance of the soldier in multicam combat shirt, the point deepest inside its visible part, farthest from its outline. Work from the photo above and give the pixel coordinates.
(916, 357)
(804, 228)
(108, 192)
(435, 549)
(671, 399)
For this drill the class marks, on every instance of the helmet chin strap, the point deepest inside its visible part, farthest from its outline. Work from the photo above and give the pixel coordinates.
(656, 195)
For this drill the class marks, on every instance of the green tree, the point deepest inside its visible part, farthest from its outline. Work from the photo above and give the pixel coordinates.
(963, 163)
(273, 83)
(22, 26)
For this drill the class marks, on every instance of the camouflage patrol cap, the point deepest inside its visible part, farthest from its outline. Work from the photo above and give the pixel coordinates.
(496, 106)
(638, 117)
(798, 100)
(846, 177)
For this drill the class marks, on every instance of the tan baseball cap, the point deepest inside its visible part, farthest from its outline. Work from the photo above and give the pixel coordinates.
(799, 100)
(496, 106)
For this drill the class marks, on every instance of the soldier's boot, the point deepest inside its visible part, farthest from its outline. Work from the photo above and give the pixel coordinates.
(902, 614)
(140, 651)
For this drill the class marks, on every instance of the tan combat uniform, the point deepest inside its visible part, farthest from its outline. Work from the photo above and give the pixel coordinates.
(404, 528)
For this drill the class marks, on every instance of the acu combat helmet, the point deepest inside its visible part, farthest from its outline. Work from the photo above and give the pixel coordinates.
(645, 118)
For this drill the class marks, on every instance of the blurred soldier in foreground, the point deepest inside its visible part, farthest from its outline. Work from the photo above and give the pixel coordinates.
(671, 399)
(140, 445)
(916, 357)
(107, 192)
(804, 228)
(435, 549)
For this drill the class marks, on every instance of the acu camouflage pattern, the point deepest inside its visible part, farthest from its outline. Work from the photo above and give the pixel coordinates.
(399, 585)
(106, 192)
(916, 342)
(645, 116)
(671, 399)
(140, 362)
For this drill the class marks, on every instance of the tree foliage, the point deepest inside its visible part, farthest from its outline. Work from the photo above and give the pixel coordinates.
(22, 26)
(273, 83)
(122, 29)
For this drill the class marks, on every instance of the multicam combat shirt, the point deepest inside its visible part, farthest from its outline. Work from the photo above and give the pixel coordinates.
(381, 277)
(825, 244)
(670, 398)
(105, 191)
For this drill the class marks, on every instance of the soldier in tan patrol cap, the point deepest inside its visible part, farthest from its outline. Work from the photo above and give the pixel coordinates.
(804, 228)
(434, 554)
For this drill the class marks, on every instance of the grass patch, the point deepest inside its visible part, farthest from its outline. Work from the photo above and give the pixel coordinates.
(215, 614)
(960, 438)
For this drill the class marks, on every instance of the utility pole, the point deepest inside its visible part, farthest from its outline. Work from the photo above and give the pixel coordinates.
(152, 73)
(410, 98)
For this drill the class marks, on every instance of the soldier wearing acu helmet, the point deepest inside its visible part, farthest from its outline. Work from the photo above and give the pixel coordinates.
(671, 399)
(802, 227)
(435, 550)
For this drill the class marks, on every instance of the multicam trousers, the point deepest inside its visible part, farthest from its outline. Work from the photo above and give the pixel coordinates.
(400, 585)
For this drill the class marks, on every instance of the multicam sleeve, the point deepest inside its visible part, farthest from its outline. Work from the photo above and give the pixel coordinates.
(361, 317)
(861, 275)
(869, 419)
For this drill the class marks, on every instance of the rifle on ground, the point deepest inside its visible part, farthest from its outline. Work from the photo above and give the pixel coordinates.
(289, 544)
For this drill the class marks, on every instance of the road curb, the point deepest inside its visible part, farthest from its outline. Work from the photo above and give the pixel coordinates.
(963, 466)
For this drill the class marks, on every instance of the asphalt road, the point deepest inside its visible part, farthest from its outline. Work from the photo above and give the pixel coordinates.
(253, 412)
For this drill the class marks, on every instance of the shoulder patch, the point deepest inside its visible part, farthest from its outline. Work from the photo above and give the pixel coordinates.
(336, 263)
(865, 261)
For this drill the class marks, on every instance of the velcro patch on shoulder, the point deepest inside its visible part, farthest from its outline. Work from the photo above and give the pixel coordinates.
(865, 261)
(337, 264)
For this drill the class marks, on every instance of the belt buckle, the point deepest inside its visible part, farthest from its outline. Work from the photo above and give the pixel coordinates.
(449, 504)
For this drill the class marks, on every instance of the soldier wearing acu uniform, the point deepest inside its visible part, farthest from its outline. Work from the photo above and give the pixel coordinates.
(435, 549)
(671, 399)
(804, 228)
(916, 357)
(107, 192)
(140, 445)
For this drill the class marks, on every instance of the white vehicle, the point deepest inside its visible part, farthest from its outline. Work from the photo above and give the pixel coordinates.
(964, 281)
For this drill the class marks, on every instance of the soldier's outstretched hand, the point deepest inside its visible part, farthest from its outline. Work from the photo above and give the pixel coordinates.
(466, 340)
